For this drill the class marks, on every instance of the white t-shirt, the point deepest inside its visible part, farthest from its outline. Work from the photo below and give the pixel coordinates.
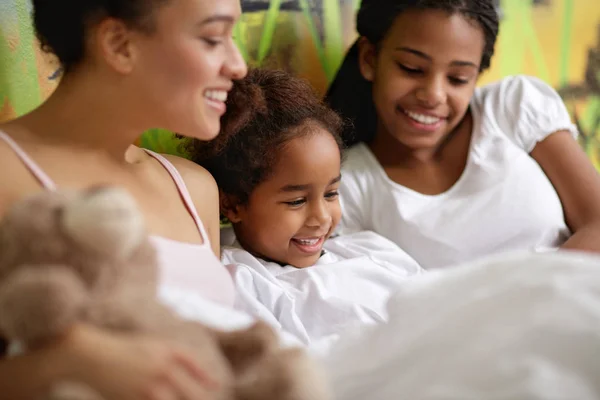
(503, 201)
(348, 286)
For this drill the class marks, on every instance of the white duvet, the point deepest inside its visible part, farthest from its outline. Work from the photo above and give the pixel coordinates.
(521, 326)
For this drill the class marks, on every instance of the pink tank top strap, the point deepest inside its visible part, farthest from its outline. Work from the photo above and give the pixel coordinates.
(31, 165)
(183, 191)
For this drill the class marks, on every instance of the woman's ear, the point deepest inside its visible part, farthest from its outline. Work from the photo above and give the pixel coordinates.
(230, 207)
(113, 39)
(367, 58)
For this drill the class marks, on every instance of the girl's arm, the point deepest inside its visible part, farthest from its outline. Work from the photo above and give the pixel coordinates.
(578, 185)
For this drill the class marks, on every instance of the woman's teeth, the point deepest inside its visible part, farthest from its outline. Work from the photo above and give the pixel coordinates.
(423, 119)
(218, 95)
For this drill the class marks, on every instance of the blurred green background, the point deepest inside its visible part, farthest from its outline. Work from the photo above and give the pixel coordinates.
(556, 40)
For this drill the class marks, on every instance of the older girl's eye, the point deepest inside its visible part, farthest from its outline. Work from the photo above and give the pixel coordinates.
(458, 81)
(332, 195)
(409, 69)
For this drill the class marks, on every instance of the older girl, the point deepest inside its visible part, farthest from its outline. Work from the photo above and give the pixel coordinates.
(447, 171)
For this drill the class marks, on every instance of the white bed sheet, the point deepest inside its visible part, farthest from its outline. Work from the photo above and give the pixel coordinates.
(519, 326)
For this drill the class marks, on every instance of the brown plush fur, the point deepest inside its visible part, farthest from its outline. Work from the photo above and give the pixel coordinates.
(85, 256)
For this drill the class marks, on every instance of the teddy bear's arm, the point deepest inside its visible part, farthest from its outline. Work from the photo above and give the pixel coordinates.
(35, 306)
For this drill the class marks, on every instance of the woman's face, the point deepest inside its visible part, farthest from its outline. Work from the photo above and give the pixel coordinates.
(185, 68)
(424, 74)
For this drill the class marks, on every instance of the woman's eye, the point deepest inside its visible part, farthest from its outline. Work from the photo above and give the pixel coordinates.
(212, 42)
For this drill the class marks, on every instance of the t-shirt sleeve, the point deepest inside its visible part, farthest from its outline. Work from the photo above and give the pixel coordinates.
(527, 110)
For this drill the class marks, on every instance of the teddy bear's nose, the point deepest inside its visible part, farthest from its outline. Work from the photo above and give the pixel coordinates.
(111, 199)
(98, 189)
(107, 220)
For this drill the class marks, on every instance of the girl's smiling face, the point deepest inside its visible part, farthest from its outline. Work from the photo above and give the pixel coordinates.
(290, 215)
(424, 74)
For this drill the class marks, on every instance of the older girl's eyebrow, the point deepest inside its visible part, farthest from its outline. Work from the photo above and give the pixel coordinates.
(420, 54)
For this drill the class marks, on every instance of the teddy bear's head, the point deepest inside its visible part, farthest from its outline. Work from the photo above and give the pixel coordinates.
(64, 252)
(96, 232)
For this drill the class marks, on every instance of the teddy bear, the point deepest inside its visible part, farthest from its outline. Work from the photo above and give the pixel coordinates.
(85, 256)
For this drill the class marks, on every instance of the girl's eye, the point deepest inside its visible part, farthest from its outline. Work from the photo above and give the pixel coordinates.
(295, 203)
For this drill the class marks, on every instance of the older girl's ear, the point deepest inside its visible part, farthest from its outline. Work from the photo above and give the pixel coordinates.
(367, 58)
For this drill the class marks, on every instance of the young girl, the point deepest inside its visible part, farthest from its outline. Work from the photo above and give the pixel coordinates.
(129, 65)
(277, 164)
(450, 172)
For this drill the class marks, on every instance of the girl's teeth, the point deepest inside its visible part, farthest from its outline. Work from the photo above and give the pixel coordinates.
(308, 242)
(218, 95)
(423, 119)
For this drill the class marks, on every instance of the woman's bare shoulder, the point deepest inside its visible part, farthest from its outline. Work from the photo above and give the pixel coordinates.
(16, 181)
(14, 185)
(205, 195)
(189, 169)
(199, 181)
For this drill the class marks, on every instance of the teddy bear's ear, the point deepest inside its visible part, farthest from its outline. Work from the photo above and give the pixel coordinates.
(106, 221)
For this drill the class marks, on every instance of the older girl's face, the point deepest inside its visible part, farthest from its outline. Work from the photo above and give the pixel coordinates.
(424, 74)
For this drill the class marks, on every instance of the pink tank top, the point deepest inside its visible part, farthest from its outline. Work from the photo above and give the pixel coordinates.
(192, 268)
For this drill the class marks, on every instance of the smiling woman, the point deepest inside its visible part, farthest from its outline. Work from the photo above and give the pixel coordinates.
(128, 66)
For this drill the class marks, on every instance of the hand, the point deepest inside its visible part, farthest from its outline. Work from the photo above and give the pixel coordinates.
(129, 367)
